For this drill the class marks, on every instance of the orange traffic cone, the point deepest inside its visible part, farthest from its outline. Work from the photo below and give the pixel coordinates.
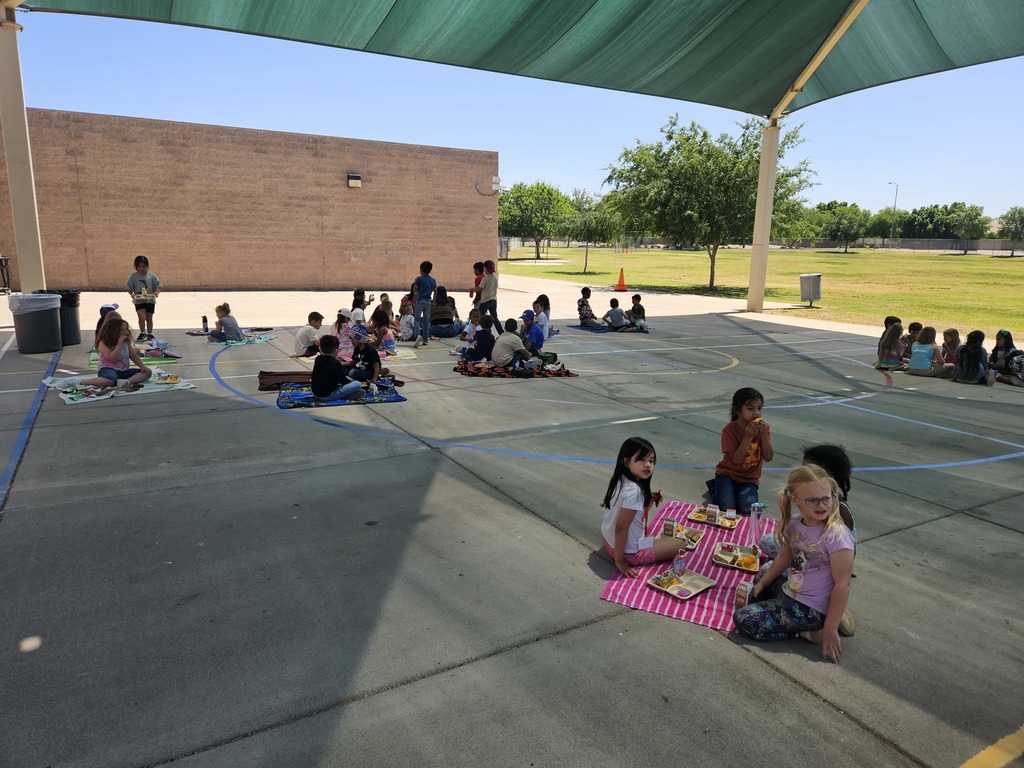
(622, 282)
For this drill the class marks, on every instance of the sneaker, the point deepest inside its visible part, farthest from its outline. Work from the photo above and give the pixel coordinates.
(454, 352)
(424, 342)
(141, 337)
(150, 337)
(419, 340)
(847, 625)
(990, 378)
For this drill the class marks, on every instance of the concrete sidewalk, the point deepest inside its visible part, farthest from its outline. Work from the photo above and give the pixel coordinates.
(198, 578)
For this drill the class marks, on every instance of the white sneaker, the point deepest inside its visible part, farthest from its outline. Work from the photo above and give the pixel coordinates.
(418, 342)
(990, 378)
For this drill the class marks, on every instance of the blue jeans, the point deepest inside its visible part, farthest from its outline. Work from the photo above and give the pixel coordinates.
(421, 319)
(342, 392)
(728, 494)
(447, 331)
(490, 308)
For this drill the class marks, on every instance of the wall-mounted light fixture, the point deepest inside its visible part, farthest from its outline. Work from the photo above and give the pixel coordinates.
(495, 187)
(355, 180)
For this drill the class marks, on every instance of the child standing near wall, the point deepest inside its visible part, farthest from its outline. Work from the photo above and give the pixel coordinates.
(144, 286)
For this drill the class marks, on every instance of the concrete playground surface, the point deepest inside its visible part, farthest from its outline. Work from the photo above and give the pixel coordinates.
(198, 578)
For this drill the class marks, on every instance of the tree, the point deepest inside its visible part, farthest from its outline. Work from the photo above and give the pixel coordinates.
(532, 212)
(844, 222)
(1012, 227)
(882, 224)
(696, 188)
(597, 223)
(968, 222)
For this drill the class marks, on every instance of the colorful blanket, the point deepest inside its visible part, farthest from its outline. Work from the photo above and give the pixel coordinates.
(713, 607)
(72, 392)
(301, 396)
(591, 328)
(491, 371)
(246, 340)
(164, 358)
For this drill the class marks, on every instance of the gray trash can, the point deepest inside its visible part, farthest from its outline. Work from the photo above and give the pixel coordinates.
(810, 287)
(36, 322)
(70, 329)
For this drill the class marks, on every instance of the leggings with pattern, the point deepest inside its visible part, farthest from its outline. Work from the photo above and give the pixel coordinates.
(778, 617)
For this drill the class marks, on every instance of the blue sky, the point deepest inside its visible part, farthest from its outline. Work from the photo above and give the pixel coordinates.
(947, 137)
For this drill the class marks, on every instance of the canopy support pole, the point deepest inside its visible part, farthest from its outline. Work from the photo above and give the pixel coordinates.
(763, 216)
(20, 178)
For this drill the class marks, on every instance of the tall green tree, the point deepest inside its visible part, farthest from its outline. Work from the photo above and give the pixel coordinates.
(698, 188)
(844, 222)
(597, 223)
(968, 222)
(533, 212)
(1012, 226)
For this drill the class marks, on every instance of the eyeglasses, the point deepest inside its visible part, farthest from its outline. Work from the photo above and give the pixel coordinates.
(817, 501)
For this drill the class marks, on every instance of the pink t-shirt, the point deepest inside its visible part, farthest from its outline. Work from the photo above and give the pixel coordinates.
(810, 576)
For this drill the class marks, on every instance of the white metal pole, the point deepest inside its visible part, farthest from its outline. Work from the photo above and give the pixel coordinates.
(21, 181)
(763, 216)
(892, 223)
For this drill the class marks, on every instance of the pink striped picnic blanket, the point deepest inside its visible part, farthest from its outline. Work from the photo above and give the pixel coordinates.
(713, 607)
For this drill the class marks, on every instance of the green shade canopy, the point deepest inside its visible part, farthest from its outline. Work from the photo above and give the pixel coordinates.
(738, 54)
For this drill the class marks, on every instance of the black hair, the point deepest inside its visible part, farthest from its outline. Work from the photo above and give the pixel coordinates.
(972, 354)
(891, 319)
(585, 292)
(741, 398)
(487, 322)
(379, 318)
(328, 344)
(141, 260)
(1007, 338)
(632, 447)
(614, 303)
(915, 326)
(544, 302)
(833, 459)
(635, 297)
(425, 267)
(478, 266)
(511, 325)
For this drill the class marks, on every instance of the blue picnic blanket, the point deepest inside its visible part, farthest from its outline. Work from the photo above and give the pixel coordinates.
(293, 395)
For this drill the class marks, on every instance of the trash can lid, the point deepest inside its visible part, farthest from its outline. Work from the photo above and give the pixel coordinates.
(32, 302)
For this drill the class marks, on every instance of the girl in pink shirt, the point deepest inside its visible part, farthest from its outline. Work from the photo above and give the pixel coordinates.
(817, 547)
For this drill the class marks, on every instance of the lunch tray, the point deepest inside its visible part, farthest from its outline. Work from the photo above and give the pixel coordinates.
(689, 584)
(731, 555)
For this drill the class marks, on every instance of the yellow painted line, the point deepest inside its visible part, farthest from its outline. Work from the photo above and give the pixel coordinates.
(1002, 752)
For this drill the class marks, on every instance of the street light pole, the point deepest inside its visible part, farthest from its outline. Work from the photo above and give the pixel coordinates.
(892, 224)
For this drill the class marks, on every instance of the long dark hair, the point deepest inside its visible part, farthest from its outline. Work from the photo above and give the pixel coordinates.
(633, 447)
(972, 354)
(741, 398)
(1008, 347)
(833, 459)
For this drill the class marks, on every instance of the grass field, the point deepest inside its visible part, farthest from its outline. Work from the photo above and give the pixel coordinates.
(863, 286)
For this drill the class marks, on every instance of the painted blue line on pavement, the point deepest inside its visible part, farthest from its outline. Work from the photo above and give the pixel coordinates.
(21, 442)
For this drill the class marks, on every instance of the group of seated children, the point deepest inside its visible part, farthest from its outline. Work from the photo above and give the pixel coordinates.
(615, 319)
(917, 353)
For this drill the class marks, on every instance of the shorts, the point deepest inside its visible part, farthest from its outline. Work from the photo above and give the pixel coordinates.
(640, 557)
(149, 307)
(113, 374)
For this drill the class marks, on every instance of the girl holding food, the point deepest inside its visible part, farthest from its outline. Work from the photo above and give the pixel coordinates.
(746, 446)
(818, 548)
(628, 498)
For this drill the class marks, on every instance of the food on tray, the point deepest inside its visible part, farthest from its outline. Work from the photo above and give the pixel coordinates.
(698, 516)
(666, 579)
(726, 558)
(749, 562)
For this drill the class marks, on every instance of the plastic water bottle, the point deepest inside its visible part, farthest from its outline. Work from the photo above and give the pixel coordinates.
(679, 562)
(757, 510)
(206, 325)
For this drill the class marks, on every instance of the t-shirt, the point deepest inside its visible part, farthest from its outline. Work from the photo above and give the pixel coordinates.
(616, 317)
(489, 287)
(535, 336)
(367, 358)
(921, 356)
(483, 345)
(407, 328)
(542, 322)
(638, 312)
(147, 283)
(584, 310)
(810, 576)
(305, 337)
(328, 374)
(749, 470)
(627, 496)
(229, 327)
(358, 316)
(505, 348)
(425, 286)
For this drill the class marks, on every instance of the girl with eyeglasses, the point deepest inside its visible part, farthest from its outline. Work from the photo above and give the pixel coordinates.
(817, 547)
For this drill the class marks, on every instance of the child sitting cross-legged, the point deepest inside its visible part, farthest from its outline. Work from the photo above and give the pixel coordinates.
(330, 381)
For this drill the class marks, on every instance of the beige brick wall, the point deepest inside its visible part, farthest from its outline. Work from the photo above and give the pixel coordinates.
(230, 208)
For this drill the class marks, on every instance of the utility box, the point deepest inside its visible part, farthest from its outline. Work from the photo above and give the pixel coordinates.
(810, 287)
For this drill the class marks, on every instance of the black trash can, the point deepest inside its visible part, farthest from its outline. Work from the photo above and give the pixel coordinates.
(36, 322)
(70, 329)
